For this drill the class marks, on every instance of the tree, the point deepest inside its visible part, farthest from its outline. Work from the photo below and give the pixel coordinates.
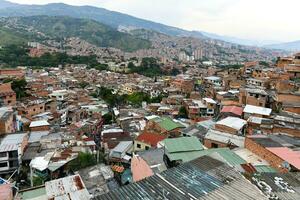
(183, 112)
(131, 65)
(108, 118)
(83, 84)
(83, 160)
(19, 86)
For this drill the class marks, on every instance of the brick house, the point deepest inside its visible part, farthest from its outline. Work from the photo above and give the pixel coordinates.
(281, 158)
(164, 126)
(232, 125)
(12, 73)
(41, 125)
(184, 85)
(146, 141)
(256, 111)
(218, 139)
(31, 108)
(7, 95)
(6, 121)
(256, 97)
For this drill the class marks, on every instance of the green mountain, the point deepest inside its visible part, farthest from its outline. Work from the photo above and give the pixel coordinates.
(110, 18)
(20, 29)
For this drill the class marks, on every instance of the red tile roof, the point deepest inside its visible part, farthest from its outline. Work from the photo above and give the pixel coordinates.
(233, 109)
(150, 138)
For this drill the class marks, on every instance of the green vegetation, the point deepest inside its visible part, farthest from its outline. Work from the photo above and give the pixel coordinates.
(236, 66)
(9, 37)
(108, 118)
(16, 35)
(297, 80)
(19, 86)
(264, 63)
(14, 55)
(182, 112)
(151, 68)
(37, 181)
(61, 27)
(83, 160)
(134, 99)
(83, 84)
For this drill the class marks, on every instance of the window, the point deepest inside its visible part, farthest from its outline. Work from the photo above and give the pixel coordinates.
(147, 148)
(13, 154)
(34, 109)
(138, 146)
(13, 163)
(8, 102)
(4, 164)
(3, 154)
(214, 145)
(41, 108)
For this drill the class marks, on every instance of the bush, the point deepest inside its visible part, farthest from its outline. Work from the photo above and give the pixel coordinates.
(83, 160)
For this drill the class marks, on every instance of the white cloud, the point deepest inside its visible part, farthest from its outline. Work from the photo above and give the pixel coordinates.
(251, 19)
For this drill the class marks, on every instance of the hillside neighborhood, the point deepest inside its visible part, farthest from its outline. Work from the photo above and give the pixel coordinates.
(97, 104)
(97, 134)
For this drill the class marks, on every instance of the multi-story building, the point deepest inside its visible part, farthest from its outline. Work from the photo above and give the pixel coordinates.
(11, 150)
(31, 108)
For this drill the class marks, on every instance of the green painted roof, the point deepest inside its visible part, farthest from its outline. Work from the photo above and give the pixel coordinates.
(183, 148)
(34, 194)
(229, 156)
(265, 168)
(182, 144)
(167, 123)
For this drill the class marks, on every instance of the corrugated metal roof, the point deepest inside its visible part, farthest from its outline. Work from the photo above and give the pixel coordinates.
(232, 109)
(229, 156)
(283, 186)
(225, 138)
(11, 142)
(233, 122)
(203, 178)
(182, 144)
(167, 123)
(257, 110)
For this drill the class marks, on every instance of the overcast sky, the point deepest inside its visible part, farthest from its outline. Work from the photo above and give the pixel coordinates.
(276, 20)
